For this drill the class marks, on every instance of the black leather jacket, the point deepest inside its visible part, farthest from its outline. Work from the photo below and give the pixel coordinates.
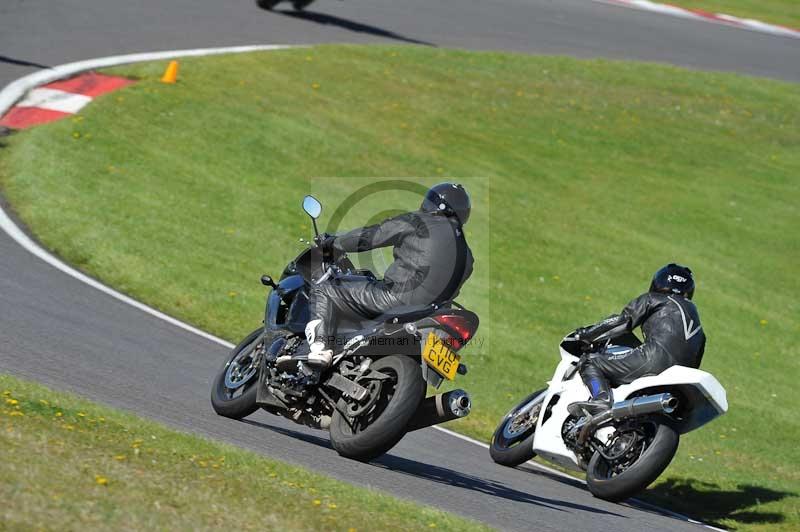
(670, 323)
(431, 257)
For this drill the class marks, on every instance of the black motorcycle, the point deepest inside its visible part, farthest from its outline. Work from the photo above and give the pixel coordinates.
(374, 391)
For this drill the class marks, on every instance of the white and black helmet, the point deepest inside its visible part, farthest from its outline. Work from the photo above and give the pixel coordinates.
(450, 199)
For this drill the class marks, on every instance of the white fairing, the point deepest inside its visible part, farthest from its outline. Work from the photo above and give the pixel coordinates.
(701, 389)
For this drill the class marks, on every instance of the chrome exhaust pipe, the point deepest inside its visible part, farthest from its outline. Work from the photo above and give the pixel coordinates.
(663, 403)
(440, 408)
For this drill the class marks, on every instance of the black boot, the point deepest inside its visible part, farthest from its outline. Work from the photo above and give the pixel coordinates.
(597, 383)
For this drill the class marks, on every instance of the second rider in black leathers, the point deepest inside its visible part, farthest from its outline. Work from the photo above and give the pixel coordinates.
(672, 331)
(431, 262)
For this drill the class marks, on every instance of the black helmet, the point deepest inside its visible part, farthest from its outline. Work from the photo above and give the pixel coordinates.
(674, 279)
(450, 199)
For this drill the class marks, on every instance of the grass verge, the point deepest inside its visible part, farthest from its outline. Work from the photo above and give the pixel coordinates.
(782, 12)
(599, 173)
(69, 464)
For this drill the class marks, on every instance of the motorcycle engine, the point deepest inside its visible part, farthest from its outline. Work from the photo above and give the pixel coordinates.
(289, 383)
(569, 432)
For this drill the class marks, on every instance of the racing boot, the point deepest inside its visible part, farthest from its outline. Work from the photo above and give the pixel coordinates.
(597, 383)
(318, 356)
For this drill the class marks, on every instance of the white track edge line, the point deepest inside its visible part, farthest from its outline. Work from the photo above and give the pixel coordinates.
(722, 19)
(17, 89)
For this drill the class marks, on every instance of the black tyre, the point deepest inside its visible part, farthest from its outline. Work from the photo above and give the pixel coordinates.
(379, 429)
(300, 5)
(233, 392)
(512, 442)
(615, 481)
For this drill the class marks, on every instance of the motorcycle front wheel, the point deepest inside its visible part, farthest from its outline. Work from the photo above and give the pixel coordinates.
(512, 442)
(233, 392)
(375, 431)
(632, 461)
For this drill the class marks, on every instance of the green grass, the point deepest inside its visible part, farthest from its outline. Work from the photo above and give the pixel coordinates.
(590, 176)
(69, 464)
(783, 12)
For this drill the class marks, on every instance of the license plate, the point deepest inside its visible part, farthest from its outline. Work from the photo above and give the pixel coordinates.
(439, 357)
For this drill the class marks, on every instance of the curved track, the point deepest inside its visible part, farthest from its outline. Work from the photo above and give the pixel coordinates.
(57, 330)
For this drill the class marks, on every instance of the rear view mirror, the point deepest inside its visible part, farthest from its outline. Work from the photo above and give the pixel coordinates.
(312, 207)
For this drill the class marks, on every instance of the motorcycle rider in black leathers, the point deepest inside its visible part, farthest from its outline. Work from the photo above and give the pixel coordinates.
(672, 331)
(431, 262)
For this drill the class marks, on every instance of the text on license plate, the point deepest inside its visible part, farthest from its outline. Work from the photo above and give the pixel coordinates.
(439, 357)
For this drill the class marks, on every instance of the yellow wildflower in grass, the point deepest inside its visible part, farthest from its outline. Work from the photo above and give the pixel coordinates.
(331, 506)
(16, 413)
(43, 402)
(81, 414)
(59, 414)
(6, 393)
(316, 502)
(101, 480)
(763, 322)
(120, 457)
(12, 402)
(76, 135)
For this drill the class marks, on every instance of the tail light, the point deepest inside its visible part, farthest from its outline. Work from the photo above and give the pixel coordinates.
(461, 327)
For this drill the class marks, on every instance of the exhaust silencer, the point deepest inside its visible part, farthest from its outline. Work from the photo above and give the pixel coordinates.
(663, 403)
(440, 408)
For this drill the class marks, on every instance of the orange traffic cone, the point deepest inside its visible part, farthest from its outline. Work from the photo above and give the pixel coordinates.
(171, 73)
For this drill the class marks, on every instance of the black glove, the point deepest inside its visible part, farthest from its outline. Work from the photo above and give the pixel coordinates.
(325, 241)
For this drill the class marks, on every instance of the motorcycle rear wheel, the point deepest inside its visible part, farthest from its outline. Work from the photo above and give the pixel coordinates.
(510, 449)
(238, 402)
(612, 486)
(399, 403)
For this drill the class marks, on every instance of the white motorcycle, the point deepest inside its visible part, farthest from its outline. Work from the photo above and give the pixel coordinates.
(622, 450)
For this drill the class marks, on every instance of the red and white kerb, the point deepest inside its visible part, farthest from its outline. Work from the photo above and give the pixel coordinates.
(60, 99)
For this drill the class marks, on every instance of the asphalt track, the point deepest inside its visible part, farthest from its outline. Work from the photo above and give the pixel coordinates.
(57, 330)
